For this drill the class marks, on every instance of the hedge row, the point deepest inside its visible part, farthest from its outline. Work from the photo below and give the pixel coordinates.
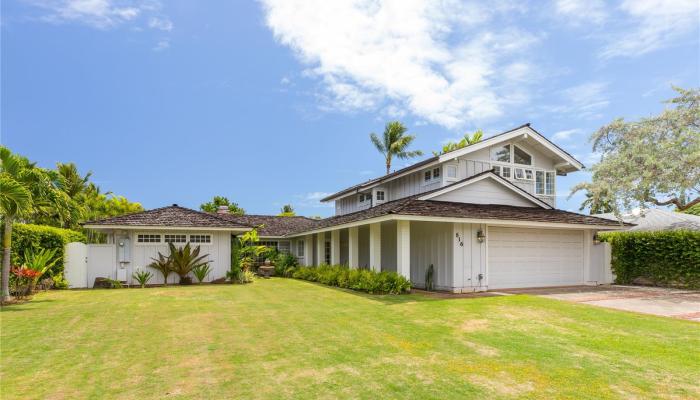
(668, 258)
(36, 237)
(355, 279)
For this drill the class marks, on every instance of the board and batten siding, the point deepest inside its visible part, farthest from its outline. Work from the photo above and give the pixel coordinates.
(218, 251)
(432, 243)
(485, 191)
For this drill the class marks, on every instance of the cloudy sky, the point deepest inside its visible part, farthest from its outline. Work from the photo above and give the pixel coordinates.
(271, 102)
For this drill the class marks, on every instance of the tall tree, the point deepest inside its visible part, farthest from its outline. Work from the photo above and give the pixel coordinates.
(652, 161)
(394, 143)
(218, 201)
(602, 204)
(24, 187)
(287, 211)
(466, 141)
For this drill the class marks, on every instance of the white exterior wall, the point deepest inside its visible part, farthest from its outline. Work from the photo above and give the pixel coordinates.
(432, 243)
(485, 191)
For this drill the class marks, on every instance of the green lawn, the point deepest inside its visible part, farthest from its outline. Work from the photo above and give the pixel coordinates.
(283, 338)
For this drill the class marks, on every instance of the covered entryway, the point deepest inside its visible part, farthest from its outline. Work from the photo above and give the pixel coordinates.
(526, 257)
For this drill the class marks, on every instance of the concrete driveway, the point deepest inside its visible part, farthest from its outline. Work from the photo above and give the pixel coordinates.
(683, 304)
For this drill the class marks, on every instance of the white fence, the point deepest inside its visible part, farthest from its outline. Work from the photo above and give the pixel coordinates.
(83, 263)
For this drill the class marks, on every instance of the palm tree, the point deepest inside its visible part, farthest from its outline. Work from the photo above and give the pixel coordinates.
(467, 140)
(163, 265)
(394, 143)
(184, 259)
(24, 187)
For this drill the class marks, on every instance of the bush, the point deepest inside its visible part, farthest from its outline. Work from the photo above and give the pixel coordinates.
(355, 279)
(668, 258)
(29, 239)
(283, 262)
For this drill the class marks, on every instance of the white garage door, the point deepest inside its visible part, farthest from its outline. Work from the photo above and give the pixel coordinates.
(521, 257)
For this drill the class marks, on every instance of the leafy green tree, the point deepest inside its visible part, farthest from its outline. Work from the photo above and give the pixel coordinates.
(394, 143)
(466, 141)
(694, 210)
(287, 211)
(24, 188)
(652, 161)
(597, 206)
(218, 201)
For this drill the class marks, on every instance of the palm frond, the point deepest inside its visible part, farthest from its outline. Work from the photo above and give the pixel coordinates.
(377, 143)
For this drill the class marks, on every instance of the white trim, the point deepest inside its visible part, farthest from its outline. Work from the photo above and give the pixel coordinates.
(494, 177)
(512, 157)
(164, 228)
(209, 243)
(433, 178)
(507, 137)
(160, 241)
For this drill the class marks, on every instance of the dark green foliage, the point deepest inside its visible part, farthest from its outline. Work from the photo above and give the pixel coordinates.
(201, 271)
(283, 262)
(429, 283)
(142, 277)
(28, 238)
(184, 259)
(356, 279)
(669, 258)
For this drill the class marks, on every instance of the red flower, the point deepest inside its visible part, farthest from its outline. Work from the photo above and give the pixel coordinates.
(22, 272)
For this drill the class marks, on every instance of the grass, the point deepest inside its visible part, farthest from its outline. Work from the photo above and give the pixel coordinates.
(284, 338)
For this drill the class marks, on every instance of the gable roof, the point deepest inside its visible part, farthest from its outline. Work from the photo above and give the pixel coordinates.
(515, 132)
(171, 216)
(478, 177)
(272, 226)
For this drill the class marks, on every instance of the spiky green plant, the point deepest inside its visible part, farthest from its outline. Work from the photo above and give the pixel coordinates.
(201, 271)
(162, 264)
(142, 277)
(40, 261)
(184, 259)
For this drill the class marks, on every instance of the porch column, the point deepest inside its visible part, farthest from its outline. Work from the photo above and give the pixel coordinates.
(403, 248)
(320, 248)
(375, 246)
(309, 250)
(353, 247)
(335, 247)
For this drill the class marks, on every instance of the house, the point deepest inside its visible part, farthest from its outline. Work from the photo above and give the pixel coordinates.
(484, 216)
(656, 219)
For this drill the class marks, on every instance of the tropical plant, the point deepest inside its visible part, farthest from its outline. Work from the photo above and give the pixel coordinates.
(466, 141)
(40, 261)
(162, 264)
(287, 211)
(429, 284)
(201, 271)
(22, 281)
(217, 201)
(248, 249)
(394, 143)
(652, 161)
(355, 279)
(142, 277)
(285, 261)
(601, 205)
(184, 259)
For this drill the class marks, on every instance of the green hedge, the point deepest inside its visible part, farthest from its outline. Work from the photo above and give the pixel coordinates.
(355, 279)
(36, 237)
(668, 258)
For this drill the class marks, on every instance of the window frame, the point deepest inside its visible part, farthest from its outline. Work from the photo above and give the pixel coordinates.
(383, 195)
(435, 174)
(524, 174)
(301, 249)
(545, 180)
(138, 243)
(165, 240)
(494, 149)
(532, 158)
(209, 243)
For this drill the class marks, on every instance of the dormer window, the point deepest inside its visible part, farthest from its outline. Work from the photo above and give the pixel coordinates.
(380, 195)
(431, 175)
(365, 197)
(520, 156)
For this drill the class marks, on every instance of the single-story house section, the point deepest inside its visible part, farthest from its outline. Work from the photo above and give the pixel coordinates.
(483, 216)
(656, 219)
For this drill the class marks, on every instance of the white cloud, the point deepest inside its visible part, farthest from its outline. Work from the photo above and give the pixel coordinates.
(584, 101)
(652, 24)
(163, 24)
(162, 45)
(102, 14)
(582, 12)
(440, 61)
(565, 135)
(313, 199)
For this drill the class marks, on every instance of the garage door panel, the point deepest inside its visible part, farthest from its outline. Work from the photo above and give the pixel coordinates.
(521, 257)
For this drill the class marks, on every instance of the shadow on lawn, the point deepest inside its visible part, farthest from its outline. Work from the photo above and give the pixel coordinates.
(20, 306)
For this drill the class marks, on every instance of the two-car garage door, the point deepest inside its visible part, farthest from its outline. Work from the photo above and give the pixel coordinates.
(521, 257)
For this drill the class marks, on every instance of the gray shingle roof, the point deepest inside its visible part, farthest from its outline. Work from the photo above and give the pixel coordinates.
(655, 219)
(174, 215)
(270, 225)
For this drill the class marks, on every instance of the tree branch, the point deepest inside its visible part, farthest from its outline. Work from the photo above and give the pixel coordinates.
(679, 206)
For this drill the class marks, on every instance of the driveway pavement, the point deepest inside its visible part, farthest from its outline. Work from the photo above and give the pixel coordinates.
(683, 304)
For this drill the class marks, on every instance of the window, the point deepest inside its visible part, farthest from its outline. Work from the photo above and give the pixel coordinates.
(177, 238)
(501, 153)
(497, 169)
(427, 176)
(431, 176)
(200, 239)
(524, 174)
(380, 195)
(520, 156)
(436, 173)
(528, 174)
(544, 183)
(148, 238)
(451, 171)
(327, 252)
(365, 197)
(505, 172)
(300, 248)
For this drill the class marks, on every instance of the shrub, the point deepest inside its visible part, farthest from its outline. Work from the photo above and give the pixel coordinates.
(184, 259)
(201, 271)
(668, 258)
(30, 239)
(142, 277)
(355, 279)
(283, 262)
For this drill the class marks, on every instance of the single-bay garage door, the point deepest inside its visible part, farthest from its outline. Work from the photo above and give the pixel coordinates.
(522, 257)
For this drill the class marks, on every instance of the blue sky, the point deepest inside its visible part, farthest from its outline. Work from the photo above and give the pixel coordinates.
(272, 102)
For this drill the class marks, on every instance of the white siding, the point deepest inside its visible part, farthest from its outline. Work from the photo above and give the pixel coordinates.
(389, 246)
(432, 243)
(469, 257)
(485, 191)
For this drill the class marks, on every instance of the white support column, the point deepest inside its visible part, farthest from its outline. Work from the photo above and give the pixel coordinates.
(403, 248)
(375, 246)
(353, 247)
(309, 250)
(320, 248)
(335, 247)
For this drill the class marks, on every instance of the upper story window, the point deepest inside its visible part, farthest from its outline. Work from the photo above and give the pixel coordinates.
(365, 197)
(501, 153)
(380, 195)
(451, 171)
(431, 175)
(148, 238)
(205, 239)
(520, 156)
(544, 183)
(175, 238)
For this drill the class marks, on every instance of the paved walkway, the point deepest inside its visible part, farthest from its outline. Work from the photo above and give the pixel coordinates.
(683, 304)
